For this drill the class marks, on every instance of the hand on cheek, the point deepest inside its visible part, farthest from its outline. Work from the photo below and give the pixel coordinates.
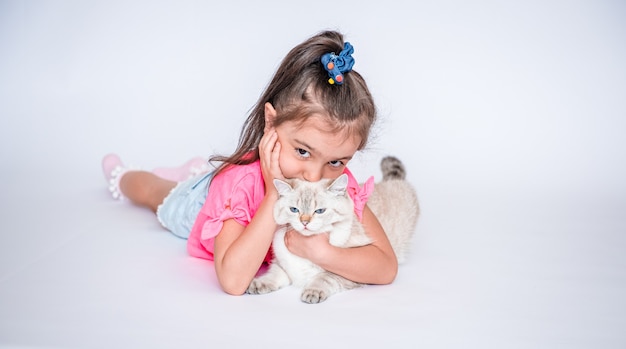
(275, 162)
(269, 153)
(269, 149)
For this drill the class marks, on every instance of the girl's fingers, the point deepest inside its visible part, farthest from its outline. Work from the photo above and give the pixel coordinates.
(274, 161)
(267, 152)
(267, 144)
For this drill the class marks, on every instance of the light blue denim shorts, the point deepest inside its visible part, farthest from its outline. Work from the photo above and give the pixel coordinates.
(180, 208)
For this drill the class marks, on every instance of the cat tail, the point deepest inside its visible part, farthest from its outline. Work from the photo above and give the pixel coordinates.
(392, 168)
(394, 202)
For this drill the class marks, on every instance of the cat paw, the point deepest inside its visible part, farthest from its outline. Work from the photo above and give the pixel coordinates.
(260, 287)
(313, 296)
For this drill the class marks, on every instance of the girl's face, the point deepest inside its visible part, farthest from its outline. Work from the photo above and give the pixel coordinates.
(310, 152)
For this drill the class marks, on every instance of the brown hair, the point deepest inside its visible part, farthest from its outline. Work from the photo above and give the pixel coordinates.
(299, 89)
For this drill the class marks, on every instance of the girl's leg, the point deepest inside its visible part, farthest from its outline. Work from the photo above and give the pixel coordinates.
(145, 188)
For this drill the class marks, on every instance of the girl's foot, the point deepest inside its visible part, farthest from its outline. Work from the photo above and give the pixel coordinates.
(113, 170)
(187, 170)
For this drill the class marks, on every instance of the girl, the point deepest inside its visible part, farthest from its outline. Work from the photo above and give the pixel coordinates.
(310, 121)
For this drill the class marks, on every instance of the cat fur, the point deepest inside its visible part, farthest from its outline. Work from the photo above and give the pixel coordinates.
(393, 201)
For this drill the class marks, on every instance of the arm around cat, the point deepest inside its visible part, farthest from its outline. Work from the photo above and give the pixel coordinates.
(375, 263)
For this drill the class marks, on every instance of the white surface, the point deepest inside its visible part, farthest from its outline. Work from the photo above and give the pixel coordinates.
(510, 118)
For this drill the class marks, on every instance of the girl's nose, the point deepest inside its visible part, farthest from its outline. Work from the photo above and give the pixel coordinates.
(313, 175)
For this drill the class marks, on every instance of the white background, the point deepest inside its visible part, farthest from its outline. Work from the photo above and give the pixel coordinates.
(509, 116)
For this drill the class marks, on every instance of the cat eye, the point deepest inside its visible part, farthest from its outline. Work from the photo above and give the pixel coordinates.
(320, 210)
(294, 210)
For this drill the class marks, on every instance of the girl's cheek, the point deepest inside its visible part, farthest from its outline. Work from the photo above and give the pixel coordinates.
(289, 173)
(285, 166)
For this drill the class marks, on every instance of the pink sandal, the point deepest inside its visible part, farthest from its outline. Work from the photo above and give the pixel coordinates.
(113, 170)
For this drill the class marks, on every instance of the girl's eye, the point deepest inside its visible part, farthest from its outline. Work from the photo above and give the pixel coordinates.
(294, 210)
(303, 153)
(320, 210)
(336, 163)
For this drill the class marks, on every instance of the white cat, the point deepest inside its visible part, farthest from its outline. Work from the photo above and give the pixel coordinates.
(325, 206)
(394, 202)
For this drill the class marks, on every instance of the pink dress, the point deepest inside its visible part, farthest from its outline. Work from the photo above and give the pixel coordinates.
(236, 193)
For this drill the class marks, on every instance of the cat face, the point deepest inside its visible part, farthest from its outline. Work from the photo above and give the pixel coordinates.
(312, 207)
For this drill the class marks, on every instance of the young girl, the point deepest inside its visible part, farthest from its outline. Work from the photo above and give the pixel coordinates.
(310, 121)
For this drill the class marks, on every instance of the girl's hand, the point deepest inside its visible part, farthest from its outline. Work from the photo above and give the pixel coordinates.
(269, 151)
(309, 247)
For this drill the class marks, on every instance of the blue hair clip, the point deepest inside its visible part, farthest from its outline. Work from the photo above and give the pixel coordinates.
(336, 65)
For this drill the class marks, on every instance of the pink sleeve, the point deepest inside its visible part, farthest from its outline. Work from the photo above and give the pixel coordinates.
(230, 198)
(359, 194)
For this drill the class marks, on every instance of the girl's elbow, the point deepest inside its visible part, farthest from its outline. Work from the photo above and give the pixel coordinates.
(235, 286)
(390, 276)
(234, 291)
(391, 271)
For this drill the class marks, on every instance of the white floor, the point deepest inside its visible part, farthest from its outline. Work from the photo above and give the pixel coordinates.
(509, 117)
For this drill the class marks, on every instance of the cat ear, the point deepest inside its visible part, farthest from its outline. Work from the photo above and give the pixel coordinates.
(339, 185)
(282, 187)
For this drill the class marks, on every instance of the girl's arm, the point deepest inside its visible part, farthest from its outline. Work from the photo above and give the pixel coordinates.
(240, 250)
(375, 263)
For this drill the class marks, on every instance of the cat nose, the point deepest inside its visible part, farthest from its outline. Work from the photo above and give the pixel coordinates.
(305, 219)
